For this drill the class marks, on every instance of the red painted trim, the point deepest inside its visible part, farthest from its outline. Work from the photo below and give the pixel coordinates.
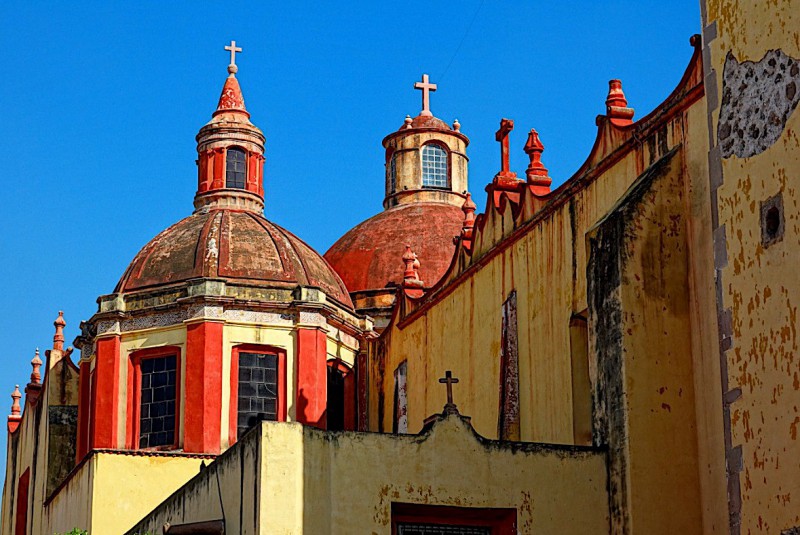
(362, 407)
(92, 405)
(21, 520)
(84, 405)
(502, 521)
(218, 181)
(203, 412)
(105, 406)
(234, 386)
(135, 394)
(349, 376)
(312, 377)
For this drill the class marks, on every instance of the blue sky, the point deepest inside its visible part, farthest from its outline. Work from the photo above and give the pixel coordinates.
(102, 100)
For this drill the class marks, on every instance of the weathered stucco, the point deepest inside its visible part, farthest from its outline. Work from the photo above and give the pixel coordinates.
(314, 482)
(758, 288)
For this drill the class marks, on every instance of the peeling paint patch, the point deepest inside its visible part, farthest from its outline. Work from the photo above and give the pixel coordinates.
(757, 100)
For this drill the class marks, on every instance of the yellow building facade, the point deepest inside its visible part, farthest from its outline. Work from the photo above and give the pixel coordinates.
(616, 355)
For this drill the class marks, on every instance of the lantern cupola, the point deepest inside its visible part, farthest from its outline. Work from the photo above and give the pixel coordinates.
(230, 152)
(426, 158)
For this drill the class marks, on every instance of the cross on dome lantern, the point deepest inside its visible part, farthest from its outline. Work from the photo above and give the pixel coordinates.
(233, 49)
(426, 87)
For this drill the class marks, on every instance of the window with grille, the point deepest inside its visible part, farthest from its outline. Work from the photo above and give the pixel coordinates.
(419, 519)
(393, 174)
(434, 167)
(235, 168)
(437, 529)
(258, 390)
(157, 407)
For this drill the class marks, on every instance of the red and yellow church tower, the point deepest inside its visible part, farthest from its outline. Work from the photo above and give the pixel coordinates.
(221, 321)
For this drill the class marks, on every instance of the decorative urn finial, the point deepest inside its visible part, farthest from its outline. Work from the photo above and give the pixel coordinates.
(58, 338)
(36, 364)
(16, 395)
(617, 109)
(536, 171)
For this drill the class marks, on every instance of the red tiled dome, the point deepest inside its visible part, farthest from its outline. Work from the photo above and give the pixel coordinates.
(369, 256)
(239, 246)
(428, 121)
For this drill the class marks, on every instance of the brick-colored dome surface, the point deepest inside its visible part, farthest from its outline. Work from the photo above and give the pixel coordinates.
(369, 256)
(428, 121)
(238, 246)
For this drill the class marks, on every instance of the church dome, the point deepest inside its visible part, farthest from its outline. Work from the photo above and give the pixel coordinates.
(238, 246)
(427, 122)
(369, 256)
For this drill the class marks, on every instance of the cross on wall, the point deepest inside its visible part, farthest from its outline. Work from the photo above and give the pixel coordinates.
(449, 380)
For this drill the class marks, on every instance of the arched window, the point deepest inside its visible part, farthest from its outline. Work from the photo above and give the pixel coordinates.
(235, 168)
(393, 174)
(434, 167)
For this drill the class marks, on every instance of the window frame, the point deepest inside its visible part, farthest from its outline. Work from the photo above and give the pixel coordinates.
(499, 520)
(135, 395)
(446, 149)
(349, 394)
(237, 148)
(233, 412)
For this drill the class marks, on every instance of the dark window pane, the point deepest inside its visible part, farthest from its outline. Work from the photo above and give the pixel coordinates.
(235, 168)
(157, 408)
(258, 389)
(441, 529)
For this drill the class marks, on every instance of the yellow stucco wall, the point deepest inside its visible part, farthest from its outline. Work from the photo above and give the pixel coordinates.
(760, 289)
(111, 491)
(640, 326)
(546, 265)
(314, 482)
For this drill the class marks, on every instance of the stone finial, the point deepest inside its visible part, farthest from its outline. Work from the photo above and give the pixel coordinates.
(408, 121)
(456, 126)
(469, 212)
(36, 363)
(16, 395)
(408, 260)
(617, 109)
(58, 338)
(536, 171)
(411, 273)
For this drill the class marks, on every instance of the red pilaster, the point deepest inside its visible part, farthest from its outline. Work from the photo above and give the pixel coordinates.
(260, 174)
(203, 409)
(312, 377)
(105, 409)
(84, 399)
(219, 168)
(252, 167)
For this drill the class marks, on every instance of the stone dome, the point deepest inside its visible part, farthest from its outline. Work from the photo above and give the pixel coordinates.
(369, 256)
(238, 246)
(428, 122)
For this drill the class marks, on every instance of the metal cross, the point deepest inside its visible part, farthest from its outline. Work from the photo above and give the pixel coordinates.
(449, 380)
(506, 126)
(233, 49)
(426, 88)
